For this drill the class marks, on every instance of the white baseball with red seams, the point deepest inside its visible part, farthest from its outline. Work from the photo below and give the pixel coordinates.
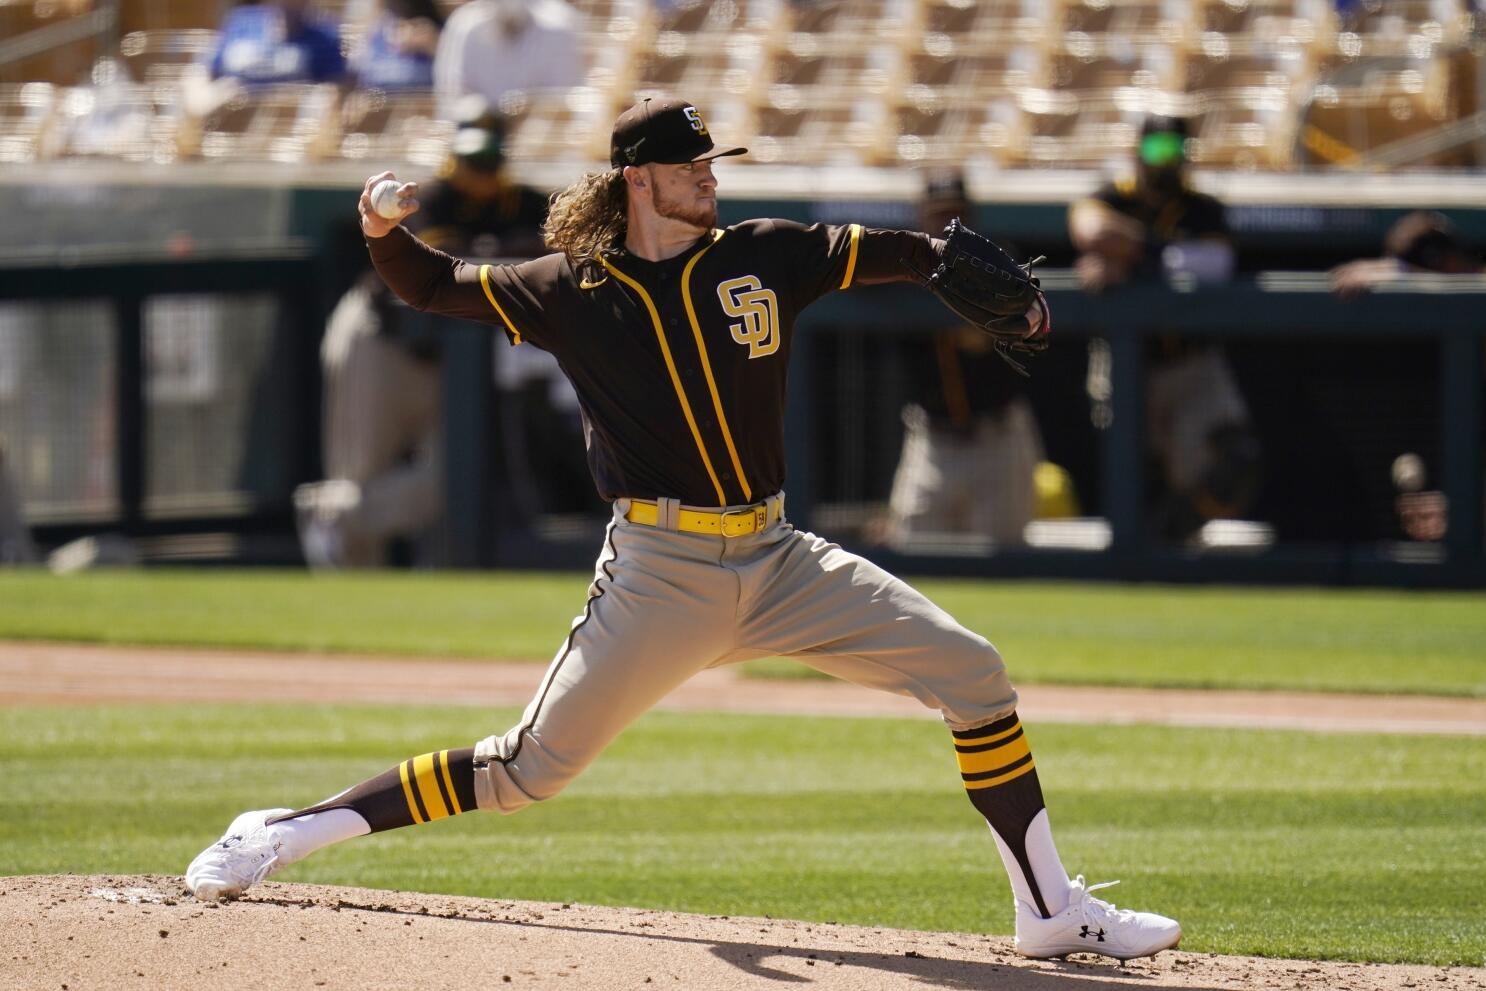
(384, 199)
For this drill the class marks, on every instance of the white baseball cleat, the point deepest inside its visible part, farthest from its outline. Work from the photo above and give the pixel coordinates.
(1092, 925)
(246, 854)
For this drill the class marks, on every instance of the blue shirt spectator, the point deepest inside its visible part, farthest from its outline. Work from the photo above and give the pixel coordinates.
(399, 46)
(276, 43)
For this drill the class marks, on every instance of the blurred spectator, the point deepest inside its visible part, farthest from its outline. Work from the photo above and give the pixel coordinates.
(382, 418)
(259, 44)
(494, 47)
(398, 45)
(1422, 241)
(475, 208)
(277, 42)
(381, 445)
(1423, 514)
(539, 417)
(970, 442)
(15, 540)
(1153, 226)
(117, 116)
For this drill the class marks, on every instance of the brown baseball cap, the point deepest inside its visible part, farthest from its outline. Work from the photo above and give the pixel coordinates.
(663, 130)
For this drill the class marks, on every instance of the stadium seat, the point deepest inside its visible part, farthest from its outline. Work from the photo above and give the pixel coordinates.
(1016, 82)
(1343, 120)
(842, 26)
(1400, 27)
(283, 122)
(160, 57)
(1245, 128)
(968, 78)
(116, 117)
(573, 124)
(1089, 129)
(1222, 64)
(27, 119)
(970, 27)
(383, 126)
(1134, 19)
(31, 57)
(840, 135)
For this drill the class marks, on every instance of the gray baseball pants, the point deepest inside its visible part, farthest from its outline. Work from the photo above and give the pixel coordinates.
(665, 604)
(980, 482)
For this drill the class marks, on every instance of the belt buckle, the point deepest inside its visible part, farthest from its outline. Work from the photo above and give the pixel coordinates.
(742, 522)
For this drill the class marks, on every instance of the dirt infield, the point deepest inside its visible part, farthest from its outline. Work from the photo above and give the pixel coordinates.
(145, 932)
(40, 673)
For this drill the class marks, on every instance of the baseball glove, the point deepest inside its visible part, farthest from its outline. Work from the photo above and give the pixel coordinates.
(983, 284)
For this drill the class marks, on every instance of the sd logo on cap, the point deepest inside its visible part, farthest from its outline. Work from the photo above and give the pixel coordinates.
(663, 130)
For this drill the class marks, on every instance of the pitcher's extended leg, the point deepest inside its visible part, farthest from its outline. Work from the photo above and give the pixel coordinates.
(1001, 779)
(870, 628)
(639, 636)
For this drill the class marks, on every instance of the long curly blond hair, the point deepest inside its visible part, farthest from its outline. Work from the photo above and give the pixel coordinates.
(588, 216)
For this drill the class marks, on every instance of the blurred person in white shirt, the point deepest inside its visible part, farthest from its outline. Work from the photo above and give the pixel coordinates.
(493, 48)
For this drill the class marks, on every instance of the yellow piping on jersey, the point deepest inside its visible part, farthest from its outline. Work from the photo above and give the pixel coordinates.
(851, 257)
(485, 284)
(665, 350)
(696, 331)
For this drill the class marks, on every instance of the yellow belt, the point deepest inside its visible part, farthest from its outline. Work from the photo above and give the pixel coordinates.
(735, 523)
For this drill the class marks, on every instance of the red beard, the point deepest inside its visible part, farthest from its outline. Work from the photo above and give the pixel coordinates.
(702, 215)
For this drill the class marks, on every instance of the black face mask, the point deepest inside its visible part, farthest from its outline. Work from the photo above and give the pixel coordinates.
(1167, 182)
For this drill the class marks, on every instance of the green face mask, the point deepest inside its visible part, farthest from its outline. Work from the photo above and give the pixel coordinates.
(1162, 148)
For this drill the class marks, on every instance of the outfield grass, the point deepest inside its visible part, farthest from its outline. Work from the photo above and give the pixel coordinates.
(1275, 843)
(1320, 639)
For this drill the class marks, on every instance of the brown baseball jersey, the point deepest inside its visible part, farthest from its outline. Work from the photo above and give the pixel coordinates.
(679, 365)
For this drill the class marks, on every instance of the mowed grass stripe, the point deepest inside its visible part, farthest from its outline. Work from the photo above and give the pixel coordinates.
(1300, 639)
(1277, 843)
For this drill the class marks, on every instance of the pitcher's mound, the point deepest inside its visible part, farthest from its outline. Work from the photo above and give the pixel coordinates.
(145, 931)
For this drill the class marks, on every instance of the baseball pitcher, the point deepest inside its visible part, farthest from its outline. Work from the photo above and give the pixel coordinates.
(676, 336)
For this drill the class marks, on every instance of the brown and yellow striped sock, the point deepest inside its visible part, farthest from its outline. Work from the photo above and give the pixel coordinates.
(1001, 780)
(420, 789)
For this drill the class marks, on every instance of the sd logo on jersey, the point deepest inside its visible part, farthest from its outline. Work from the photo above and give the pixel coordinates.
(758, 308)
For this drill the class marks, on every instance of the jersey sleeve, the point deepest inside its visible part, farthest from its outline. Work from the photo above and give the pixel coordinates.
(506, 296)
(825, 257)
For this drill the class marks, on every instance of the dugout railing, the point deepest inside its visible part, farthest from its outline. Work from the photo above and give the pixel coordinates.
(273, 442)
(170, 400)
(1281, 310)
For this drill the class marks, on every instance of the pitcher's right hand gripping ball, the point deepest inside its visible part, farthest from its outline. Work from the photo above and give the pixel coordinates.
(983, 284)
(381, 213)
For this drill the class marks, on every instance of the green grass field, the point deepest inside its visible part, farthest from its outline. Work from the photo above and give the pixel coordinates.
(1276, 843)
(1318, 639)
